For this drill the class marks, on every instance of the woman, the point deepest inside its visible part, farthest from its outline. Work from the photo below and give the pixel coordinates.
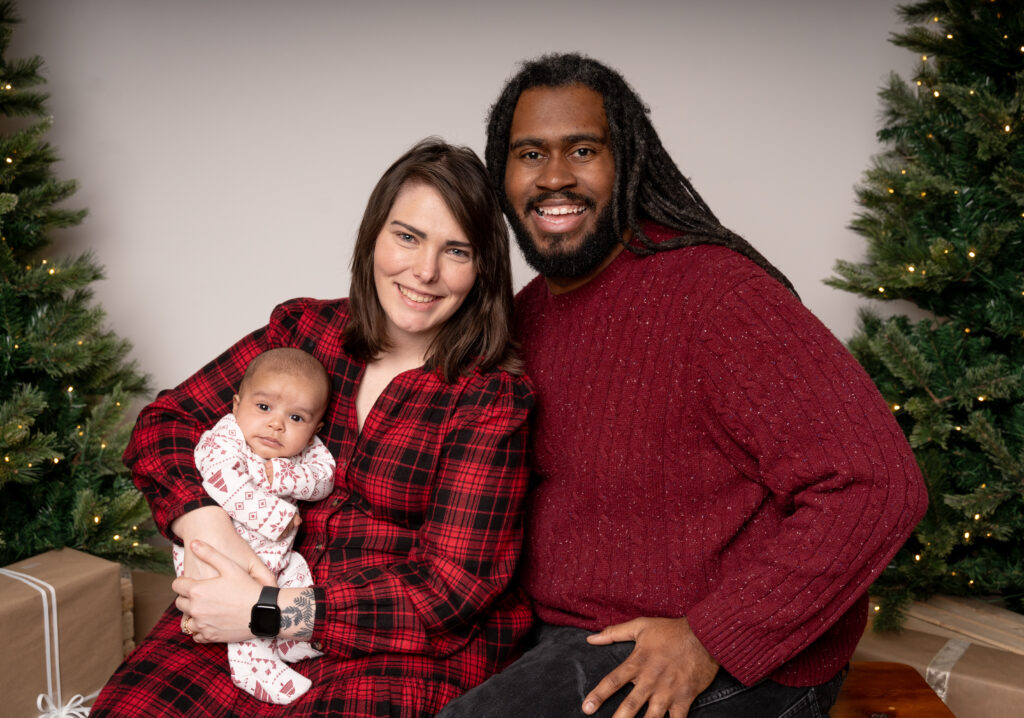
(414, 551)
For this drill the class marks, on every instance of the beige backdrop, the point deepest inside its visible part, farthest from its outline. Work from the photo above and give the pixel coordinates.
(225, 148)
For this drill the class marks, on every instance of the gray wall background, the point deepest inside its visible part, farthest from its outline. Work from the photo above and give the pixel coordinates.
(225, 149)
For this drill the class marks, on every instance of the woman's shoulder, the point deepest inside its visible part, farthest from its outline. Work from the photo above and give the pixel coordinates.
(494, 388)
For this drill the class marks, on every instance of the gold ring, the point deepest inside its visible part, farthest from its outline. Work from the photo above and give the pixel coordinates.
(186, 627)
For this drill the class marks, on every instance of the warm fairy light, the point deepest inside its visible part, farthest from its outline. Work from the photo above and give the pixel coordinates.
(971, 92)
(935, 19)
(117, 537)
(895, 407)
(971, 254)
(930, 136)
(903, 172)
(949, 36)
(878, 608)
(917, 557)
(935, 93)
(8, 160)
(135, 544)
(984, 485)
(70, 389)
(7, 458)
(924, 194)
(982, 398)
(971, 582)
(910, 267)
(53, 271)
(977, 517)
(881, 290)
(967, 330)
(924, 58)
(56, 459)
(95, 519)
(967, 535)
(1006, 128)
(103, 445)
(892, 191)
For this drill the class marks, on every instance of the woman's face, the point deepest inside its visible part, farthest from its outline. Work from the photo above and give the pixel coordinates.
(423, 266)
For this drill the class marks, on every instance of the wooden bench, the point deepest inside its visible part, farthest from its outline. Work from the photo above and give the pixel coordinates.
(875, 689)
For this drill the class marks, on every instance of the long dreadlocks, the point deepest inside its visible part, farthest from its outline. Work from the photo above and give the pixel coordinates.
(648, 184)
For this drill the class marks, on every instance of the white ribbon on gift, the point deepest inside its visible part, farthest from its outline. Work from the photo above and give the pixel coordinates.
(50, 704)
(941, 666)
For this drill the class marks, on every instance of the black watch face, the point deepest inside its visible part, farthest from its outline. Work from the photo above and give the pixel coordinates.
(265, 621)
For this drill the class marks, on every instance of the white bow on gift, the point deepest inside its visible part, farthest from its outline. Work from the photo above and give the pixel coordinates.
(48, 707)
(75, 707)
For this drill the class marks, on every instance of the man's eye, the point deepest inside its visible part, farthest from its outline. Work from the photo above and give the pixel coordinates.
(584, 152)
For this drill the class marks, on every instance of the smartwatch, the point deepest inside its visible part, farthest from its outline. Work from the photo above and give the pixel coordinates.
(265, 619)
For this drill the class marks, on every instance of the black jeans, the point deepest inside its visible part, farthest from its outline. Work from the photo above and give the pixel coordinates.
(556, 674)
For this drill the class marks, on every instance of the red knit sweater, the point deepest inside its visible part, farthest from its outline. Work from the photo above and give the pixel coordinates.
(706, 448)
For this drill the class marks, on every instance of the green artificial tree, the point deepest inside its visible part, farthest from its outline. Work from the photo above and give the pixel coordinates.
(943, 217)
(65, 382)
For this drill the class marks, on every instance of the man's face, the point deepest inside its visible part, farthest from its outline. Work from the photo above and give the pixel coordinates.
(559, 180)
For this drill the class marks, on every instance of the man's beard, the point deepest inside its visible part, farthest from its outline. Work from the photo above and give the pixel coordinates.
(564, 263)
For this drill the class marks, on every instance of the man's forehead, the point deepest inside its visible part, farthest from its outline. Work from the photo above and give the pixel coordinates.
(559, 112)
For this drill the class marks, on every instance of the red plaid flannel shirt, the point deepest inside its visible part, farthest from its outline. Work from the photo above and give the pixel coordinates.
(414, 552)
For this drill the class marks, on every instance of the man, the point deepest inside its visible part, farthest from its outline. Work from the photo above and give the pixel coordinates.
(718, 481)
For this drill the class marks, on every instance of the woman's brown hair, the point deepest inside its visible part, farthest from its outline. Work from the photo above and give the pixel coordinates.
(479, 333)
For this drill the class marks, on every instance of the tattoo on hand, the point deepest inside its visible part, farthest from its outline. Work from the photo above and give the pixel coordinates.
(300, 615)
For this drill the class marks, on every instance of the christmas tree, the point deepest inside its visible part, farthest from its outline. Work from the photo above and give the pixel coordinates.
(65, 382)
(943, 217)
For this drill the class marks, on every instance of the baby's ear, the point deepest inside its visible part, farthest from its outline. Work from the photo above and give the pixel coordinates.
(315, 432)
(234, 404)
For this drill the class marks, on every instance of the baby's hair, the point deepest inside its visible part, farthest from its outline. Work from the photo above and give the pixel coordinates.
(290, 361)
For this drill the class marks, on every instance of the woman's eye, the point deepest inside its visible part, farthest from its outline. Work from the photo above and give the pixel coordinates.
(406, 237)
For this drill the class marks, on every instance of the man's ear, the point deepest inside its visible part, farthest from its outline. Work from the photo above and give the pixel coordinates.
(234, 404)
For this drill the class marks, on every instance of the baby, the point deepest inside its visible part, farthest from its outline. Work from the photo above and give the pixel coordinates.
(262, 453)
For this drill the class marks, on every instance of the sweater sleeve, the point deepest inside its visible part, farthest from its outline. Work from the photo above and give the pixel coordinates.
(462, 557)
(824, 446)
(160, 451)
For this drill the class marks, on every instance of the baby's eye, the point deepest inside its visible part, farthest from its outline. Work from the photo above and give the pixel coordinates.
(263, 407)
(296, 418)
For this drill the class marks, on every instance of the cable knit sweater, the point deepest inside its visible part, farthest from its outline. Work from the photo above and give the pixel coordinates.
(706, 448)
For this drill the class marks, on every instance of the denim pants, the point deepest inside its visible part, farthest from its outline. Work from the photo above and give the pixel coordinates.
(556, 674)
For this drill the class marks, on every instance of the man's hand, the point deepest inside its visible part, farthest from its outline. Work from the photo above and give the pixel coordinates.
(668, 668)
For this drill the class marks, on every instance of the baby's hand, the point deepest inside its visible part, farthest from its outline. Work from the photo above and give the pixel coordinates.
(296, 520)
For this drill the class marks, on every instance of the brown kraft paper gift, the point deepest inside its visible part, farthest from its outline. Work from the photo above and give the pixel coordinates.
(60, 616)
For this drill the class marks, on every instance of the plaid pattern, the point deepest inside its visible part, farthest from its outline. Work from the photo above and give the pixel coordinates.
(412, 554)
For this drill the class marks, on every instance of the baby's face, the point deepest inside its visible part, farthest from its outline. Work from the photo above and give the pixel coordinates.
(278, 413)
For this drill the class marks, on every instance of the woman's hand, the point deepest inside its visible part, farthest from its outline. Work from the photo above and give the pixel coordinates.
(218, 607)
(212, 525)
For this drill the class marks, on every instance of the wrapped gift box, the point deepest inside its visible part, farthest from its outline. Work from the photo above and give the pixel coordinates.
(152, 596)
(965, 649)
(61, 618)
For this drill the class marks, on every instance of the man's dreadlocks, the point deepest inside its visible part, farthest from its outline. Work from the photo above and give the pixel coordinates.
(648, 184)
